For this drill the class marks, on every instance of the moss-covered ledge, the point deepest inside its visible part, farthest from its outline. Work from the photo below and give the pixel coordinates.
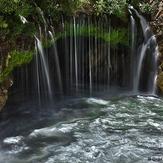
(13, 59)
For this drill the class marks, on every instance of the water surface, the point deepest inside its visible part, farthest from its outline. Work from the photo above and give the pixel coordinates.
(84, 130)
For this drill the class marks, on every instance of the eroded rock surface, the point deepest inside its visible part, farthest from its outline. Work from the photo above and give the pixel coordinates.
(4, 92)
(157, 26)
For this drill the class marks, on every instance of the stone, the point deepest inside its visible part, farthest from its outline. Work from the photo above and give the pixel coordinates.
(160, 81)
(3, 98)
(4, 92)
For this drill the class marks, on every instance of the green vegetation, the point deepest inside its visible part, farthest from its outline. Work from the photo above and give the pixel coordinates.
(145, 8)
(11, 26)
(115, 36)
(11, 11)
(15, 59)
(112, 7)
(20, 20)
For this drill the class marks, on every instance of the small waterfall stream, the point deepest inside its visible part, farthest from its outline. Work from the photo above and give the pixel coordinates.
(46, 77)
(76, 54)
(83, 57)
(149, 42)
(56, 63)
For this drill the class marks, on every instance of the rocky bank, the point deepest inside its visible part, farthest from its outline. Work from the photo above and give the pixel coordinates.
(8, 82)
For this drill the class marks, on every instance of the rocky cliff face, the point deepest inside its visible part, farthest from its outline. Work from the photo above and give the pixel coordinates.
(4, 92)
(157, 26)
(8, 82)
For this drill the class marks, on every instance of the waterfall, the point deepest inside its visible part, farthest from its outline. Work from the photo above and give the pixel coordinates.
(45, 69)
(109, 57)
(149, 42)
(90, 60)
(83, 58)
(37, 74)
(56, 62)
(133, 44)
(153, 84)
(76, 55)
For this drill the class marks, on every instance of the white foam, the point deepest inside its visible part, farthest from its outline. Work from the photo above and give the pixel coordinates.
(13, 140)
(97, 101)
(53, 130)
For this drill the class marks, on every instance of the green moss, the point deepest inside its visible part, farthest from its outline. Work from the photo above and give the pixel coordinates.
(15, 59)
(115, 36)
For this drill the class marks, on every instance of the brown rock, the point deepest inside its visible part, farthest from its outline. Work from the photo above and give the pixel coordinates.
(3, 98)
(157, 27)
(160, 81)
(4, 92)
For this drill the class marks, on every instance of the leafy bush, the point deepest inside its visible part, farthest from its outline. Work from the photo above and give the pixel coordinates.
(145, 8)
(112, 7)
(12, 28)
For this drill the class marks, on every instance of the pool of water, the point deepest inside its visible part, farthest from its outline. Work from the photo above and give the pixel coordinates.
(84, 130)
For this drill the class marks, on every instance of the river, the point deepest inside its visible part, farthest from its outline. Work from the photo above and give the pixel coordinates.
(127, 129)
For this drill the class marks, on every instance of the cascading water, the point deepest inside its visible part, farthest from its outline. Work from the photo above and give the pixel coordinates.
(149, 42)
(46, 76)
(76, 55)
(109, 57)
(83, 57)
(37, 74)
(133, 44)
(90, 59)
(153, 83)
(56, 62)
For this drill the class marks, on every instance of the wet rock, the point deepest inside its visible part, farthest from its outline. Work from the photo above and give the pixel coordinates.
(157, 27)
(3, 98)
(160, 81)
(4, 92)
